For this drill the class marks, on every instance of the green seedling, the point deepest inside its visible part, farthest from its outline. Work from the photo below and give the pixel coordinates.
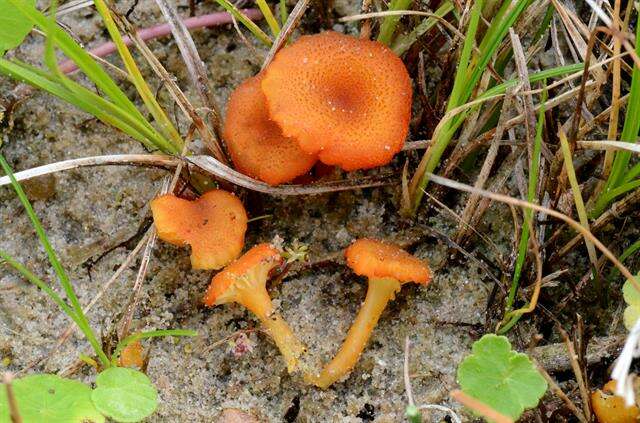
(505, 380)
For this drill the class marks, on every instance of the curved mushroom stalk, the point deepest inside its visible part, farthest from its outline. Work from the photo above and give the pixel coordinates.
(379, 293)
(388, 267)
(244, 282)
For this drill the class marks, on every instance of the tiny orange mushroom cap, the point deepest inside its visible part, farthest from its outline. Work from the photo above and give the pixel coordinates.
(610, 408)
(256, 143)
(244, 282)
(344, 98)
(213, 225)
(388, 267)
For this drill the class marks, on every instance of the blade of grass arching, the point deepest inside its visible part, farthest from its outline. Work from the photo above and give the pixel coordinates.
(268, 16)
(150, 334)
(31, 277)
(464, 86)
(626, 187)
(403, 41)
(432, 156)
(166, 127)
(490, 43)
(577, 197)
(534, 173)
(619, 170)
(82, 321)
(90, 100)
(389, 24)
(625, 255)
(82, 59)
(284, 15)
(248, 23)
(612, 133)
(95, 105)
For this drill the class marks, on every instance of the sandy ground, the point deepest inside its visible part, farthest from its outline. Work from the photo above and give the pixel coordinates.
(93, 215)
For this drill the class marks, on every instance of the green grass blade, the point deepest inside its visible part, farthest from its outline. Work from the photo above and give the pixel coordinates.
(55, 263)
(284, 14)
(577, 195)
(31, 277)
(244, 20)
(403, 42)
(82, 59)
(632, 249)
(620, 173)
(166, 127)
(390, 23)
(99, 107)
(534, 173)
(268, 16)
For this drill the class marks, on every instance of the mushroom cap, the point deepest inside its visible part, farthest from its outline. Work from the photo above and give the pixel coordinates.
(255, 263)
(380, 259)
(256, 143)
(344, 98)
(213, 225)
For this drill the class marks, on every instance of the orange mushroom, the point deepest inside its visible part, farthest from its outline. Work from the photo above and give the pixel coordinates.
(388, 267)
(256, 144)
(213, 225)
(132, 355)
(244, 282)
(344, 98)
(610, 408)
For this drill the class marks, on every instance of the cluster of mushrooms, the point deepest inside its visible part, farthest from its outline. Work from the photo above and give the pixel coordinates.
(328, 97)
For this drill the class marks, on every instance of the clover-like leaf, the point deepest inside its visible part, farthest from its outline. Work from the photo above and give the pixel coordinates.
(125, 395)
(51, 399)
(501, 378)
(632, 298)
(14, 26)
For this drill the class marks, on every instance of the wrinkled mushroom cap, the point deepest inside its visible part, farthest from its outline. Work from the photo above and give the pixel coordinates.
(380, 259)
(344, 98)
(253, 266)
(256, 143)
(213, 225)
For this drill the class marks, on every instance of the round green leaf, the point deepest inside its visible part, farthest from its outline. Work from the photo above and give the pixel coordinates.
(14, 26)
(503, 379)
(632, 298)
(125, 395)
(51, 399)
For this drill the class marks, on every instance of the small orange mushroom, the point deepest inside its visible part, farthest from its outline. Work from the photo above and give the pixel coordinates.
(213, 225)
(610, 408)
(244, 282)
(132, 355)
(388, 267)
(256, 143)
(344, 98)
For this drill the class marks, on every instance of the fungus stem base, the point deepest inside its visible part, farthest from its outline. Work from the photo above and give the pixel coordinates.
(286, 341)
(259, 303)
(379, 293)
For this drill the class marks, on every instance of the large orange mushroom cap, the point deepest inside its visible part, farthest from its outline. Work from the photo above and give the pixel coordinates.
(213, 225)
(256, 144)
(254, 265)
(380, 259)
(344, 98)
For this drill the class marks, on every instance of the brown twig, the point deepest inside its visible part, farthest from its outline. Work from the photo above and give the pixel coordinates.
(14, 414)
(479, 407)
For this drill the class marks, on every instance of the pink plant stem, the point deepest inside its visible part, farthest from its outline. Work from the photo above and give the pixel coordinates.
(213, 19)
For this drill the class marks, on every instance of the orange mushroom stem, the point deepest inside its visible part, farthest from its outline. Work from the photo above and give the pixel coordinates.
(244, 282)
(388, 267)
